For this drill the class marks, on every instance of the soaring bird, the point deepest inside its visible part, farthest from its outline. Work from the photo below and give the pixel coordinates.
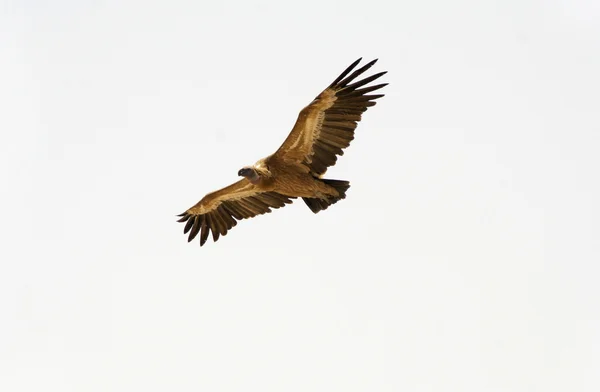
(323, 129)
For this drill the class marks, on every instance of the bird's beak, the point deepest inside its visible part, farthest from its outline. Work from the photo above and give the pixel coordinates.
(242, 172)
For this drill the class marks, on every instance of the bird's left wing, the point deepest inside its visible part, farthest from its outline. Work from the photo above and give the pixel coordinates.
(218, 211)
(326, 126)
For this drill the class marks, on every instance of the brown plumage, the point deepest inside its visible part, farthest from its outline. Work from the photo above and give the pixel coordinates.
(323, 129)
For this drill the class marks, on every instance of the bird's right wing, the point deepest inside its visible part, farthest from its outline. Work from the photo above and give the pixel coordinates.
(217, 212)
(326, 126)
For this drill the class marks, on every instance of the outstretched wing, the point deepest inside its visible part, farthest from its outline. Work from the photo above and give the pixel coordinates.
(217, 212)
(326, 126)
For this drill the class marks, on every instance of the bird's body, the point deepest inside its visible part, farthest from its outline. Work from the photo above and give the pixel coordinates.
(323, 129)
(293, 180)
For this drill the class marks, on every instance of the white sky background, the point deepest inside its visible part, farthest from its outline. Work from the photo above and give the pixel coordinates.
(465, 258)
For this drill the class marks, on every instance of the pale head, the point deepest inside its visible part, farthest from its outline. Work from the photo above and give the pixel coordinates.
(250, 173)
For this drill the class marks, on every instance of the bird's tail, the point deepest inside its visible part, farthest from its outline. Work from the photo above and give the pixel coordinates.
(316, 204)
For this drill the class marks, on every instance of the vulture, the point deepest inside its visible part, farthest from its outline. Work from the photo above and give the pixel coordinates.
(322, 131)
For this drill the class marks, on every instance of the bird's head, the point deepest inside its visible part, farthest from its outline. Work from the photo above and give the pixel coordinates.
(250, 173)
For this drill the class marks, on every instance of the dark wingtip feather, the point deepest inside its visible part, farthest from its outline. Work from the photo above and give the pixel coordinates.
(346, 72)
(355, 74)
(370, 63)
(204, 232)
(195, 228)
(188, 226)
(360, 83)
(352, 93)
(185, 217)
